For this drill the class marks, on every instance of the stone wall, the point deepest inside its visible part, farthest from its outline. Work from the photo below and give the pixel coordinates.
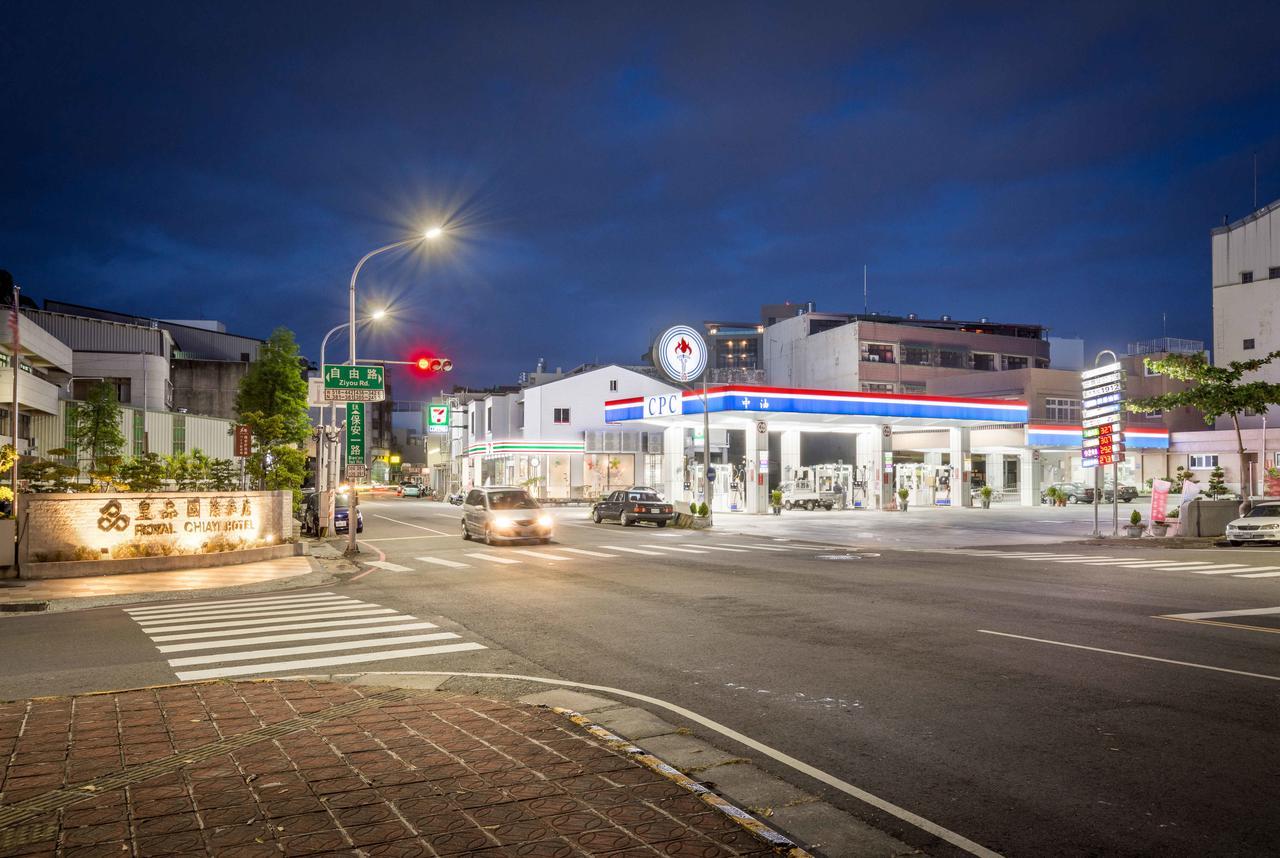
(125, 525)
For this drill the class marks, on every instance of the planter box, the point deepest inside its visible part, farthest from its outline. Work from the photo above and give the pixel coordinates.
(1207, 518)
(86, 568)
(691, 522)
(7, 526)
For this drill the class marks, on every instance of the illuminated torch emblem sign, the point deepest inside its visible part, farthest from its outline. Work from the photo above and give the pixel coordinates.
(681, 353)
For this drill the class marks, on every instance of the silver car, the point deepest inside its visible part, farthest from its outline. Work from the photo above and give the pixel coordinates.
(504, 514)
(1261, 524)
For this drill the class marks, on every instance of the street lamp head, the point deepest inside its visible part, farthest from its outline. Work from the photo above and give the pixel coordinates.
(378, 314)
(433, 233)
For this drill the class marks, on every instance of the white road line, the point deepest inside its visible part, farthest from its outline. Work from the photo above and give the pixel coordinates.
(722, 548)
(361, 658)
(587, 553)
(250, 655)
(1222, 569)
(492, 558)
(300, 636)
(172, 606)
(541, 555)
(318, 604)
(1134, 655)
(1100, 561)
(1159, 564)
(675, 548)
(633, 550)
(440, 561)
(408, 524)
(389, 567)
(287, 627)
(1260, 574)
(754, 547)
(1243, 612)
(400, 538)
(1189, 567)
(226, 624)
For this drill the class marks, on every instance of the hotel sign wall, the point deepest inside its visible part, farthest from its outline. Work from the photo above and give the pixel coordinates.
(103, 525)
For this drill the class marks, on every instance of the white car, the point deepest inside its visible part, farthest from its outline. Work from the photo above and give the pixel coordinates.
(1261, 524)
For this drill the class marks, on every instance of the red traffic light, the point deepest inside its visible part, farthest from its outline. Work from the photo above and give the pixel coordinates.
(427, 364)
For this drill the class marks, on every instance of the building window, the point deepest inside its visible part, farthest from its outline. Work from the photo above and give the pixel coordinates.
(560, 415)
(1246, 276)
(984, 361)
(488, 419)
(877, 352)
(917, 355)
(1203, 462)
(874, 387)
(1062, 410)
(1015, 361)
(913, 387)
(613, 385)
(1041, 363)
(139, 433)
(179, 433)
(1248, 344)
(1273, 272)
(951, 359)
(244, 357)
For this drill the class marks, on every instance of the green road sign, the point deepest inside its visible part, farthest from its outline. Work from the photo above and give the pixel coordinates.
(339, 377)
(438, 417)
(355, 433)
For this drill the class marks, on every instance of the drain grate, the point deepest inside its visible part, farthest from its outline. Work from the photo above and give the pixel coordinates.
(51, 801)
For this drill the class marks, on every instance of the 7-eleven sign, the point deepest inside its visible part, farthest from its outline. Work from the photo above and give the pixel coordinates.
(438, 417)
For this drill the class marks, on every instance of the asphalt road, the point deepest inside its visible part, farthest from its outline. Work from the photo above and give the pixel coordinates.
(878, 665)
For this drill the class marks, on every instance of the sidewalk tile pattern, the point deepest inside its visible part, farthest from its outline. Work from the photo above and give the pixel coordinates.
(409, 773)
(155, 582)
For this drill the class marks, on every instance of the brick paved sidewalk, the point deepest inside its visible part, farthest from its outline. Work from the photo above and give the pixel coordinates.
(311, 768)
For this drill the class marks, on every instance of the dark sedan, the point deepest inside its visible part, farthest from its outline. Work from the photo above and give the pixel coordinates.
(311, 514)
(630, 507)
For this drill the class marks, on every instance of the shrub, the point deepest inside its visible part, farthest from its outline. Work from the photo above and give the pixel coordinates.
(703, 509)
(775, 497)
(1135, 518)
(693, 509)
(903, 494)
(986, 492)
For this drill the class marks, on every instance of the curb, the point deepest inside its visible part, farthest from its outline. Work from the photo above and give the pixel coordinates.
(779, 842)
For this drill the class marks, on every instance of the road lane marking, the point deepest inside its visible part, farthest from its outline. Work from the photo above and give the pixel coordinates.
(1160, 564)
(633, 550)
(587, 553)
(252, 611)
(298, 636)
(674, 548)
(440, 561)
(398, 538)
(408, 524)
(722, 548)
(1100, 561)
(541, 555)
(358, 658)
(388, 566)
(1211, 615)
(1134, 655)
(755, 547)
(492, 558)
(394, 618)
(173, 606)
(1259, 574)
(341, 612)
(250, 655)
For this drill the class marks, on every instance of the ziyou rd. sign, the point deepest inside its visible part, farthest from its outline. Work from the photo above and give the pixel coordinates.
(354, 383)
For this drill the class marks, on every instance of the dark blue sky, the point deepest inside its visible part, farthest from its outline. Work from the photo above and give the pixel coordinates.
(611, 168)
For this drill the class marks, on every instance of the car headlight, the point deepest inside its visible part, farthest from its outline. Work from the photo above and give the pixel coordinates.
(545, 520)
(502, 522)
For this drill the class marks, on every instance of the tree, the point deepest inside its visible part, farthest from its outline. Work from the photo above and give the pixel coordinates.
(1214, 391)
(145, 473)
(272, 402)
(1217, 485)
(190, 472)
(94, 428)
(224, 475)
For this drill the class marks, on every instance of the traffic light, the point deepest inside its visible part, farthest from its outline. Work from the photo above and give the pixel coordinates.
(427, 364)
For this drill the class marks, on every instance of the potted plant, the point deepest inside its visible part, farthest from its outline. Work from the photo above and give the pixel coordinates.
(903, 494)
(1158, 528)
(1051, 495)
(775, 501)
(1134, 528)
(985, 493)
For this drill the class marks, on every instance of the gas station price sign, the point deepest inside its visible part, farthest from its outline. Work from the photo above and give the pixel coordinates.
(1102, 390)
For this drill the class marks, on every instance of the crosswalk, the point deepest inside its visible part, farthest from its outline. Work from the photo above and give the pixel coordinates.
(510, 556)
(247, 637)
(1192, 567)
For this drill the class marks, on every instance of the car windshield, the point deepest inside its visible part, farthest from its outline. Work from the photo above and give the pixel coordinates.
(1268, 511)
(511, 500)
(649, 497)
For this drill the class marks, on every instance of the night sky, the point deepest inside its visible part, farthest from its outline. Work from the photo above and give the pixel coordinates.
(609, 168)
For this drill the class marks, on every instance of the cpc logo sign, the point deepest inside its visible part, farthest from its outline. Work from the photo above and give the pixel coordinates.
(681, 353)
(663, 404)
